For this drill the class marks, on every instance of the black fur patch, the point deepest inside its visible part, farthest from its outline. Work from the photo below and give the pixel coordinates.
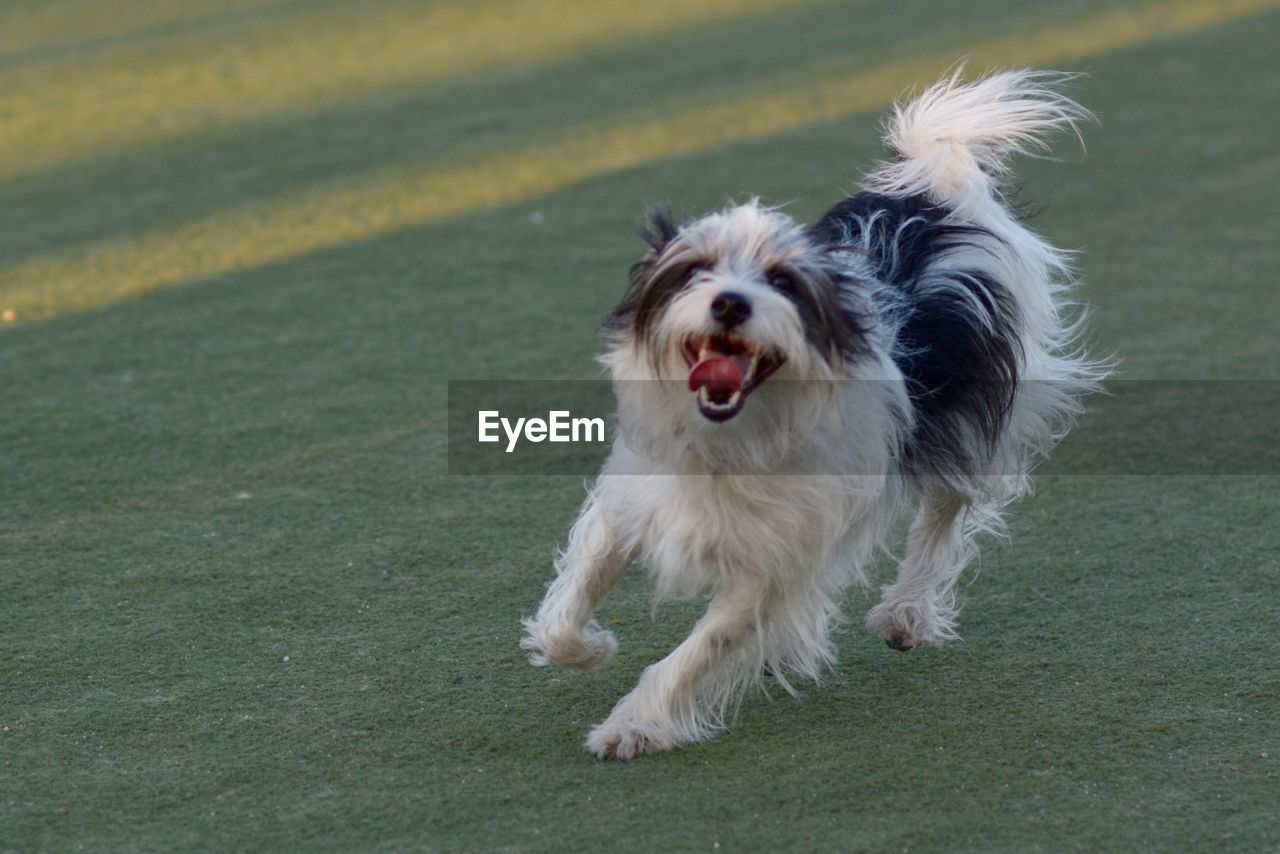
(957, 344)
(832, 326)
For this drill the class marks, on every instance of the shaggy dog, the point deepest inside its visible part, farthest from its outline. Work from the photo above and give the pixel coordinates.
(785, 391)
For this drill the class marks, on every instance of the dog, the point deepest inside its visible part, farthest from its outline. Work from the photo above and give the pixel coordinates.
(785, 393)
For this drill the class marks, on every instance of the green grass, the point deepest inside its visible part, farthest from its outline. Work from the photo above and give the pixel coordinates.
(243, 607)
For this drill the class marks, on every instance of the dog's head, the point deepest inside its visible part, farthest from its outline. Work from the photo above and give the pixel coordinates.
(725, 314)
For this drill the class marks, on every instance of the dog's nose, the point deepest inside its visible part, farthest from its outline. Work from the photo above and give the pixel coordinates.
(730, 308)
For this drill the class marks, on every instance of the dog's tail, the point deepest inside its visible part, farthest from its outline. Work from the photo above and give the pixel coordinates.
(954, 140)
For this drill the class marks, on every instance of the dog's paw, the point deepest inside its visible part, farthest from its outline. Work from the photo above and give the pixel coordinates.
(623, 739)
(905, 625)
(568, 647)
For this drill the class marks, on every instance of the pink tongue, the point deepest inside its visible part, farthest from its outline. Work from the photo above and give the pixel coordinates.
(719, 374)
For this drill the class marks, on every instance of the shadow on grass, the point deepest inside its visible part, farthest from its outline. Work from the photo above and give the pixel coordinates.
(203, 23)
(99, 200)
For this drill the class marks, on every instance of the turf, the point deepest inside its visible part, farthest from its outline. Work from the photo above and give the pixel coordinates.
(242, 606)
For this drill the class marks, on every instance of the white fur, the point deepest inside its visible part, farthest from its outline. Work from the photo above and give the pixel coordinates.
(778, 510)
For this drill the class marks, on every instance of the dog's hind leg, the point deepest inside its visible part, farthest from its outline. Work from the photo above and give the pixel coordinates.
(563, 630)
(919, 608)
(680, 700)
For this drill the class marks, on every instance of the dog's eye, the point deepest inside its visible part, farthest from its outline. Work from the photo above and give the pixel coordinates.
(698, 267)
(782, 282)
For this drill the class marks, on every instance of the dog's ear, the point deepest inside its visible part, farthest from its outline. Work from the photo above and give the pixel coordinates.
(659, 229)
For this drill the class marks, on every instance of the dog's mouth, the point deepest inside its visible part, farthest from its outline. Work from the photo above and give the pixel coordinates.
(724, 369)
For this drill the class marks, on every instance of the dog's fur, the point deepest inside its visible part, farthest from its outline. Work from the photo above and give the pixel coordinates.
(922, 355)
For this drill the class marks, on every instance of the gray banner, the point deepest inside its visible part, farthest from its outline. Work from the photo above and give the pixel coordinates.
(1167, 427)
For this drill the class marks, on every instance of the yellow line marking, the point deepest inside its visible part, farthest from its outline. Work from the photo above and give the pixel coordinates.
(413, 195)
(200, 81)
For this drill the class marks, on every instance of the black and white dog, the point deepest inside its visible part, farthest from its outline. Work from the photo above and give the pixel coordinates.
(785, 392)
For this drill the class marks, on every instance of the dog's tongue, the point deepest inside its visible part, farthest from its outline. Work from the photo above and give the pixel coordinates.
(723, 374)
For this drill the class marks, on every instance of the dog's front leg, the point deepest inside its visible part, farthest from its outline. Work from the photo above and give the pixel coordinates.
(674, 703)
(563, 631)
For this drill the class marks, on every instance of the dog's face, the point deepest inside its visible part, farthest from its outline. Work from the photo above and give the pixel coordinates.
(726, 303)
(731, 338)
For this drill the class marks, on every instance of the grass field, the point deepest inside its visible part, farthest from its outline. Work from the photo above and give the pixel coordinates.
(244, 244)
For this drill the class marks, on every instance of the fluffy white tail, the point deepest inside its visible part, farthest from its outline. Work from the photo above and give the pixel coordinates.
(955, 139)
